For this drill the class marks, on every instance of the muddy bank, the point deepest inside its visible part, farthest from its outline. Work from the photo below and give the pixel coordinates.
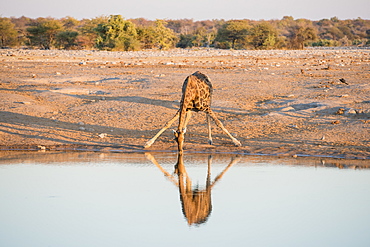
(282, 103)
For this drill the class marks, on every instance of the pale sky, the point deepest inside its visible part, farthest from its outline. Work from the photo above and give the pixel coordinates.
(190, 9)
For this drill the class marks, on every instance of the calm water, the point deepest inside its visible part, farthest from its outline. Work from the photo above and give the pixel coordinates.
(113, 199)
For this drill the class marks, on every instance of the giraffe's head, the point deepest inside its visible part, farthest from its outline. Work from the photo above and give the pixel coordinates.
(180, 137)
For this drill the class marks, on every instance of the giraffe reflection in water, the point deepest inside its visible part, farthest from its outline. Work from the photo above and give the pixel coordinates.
(196, 203)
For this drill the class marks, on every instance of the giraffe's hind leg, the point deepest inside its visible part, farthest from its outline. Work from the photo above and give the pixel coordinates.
(219, 124)
(168, 124)
(187, 119)
(210, 142)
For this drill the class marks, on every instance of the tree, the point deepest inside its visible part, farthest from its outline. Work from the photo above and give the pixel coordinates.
(203, 36)
(21, 25)
(186, 40)
(164, 37)
(336, 33)
(264, 36)
(70, 23)
(8, 33)
(300, 33)
(117, 34)
(67, 39)
(233, 32)
(88, 32)
(43, 32)
(183, 26)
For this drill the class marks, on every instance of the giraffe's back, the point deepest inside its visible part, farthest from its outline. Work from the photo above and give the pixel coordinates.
(197, 92)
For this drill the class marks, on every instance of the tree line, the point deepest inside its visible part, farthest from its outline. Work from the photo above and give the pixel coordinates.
(116, 33)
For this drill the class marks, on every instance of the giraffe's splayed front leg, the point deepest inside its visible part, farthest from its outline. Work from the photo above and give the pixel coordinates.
(149, 143)
(236, 142)
(219, 124)
(168, 124)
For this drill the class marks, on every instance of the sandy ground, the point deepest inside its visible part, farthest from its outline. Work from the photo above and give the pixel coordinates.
(284, 103)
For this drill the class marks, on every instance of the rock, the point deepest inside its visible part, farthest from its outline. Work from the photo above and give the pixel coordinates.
(350, 112)
(365, 112)
(288, 108)
(103, 135)
(342, 80)
(340, 111)
(41, 147)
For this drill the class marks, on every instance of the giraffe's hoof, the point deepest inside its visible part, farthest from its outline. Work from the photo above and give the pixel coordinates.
(148, 144)
(237, 143)
(210, 142)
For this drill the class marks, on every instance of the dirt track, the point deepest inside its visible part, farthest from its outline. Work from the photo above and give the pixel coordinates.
(275, 102)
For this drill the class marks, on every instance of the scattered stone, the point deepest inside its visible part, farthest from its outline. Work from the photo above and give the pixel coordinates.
(33, 75)
(82, 63)
(58, 73)
(344, 96)
(289, 108)
(340, 111)
(41, 147)
(103, 135)
(335, 122)
(350, 112)
(323, 138)
(81, 123)
(327, 68)
(342, 80)
(81, 128)
(365, 112)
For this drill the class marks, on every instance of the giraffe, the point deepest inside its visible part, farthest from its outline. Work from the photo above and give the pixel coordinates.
(196, 203)
(196, 96)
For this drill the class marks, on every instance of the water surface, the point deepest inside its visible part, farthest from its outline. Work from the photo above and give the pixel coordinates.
(157, 199)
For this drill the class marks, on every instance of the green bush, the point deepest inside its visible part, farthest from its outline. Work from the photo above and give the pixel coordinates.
(324, 43)
(8, 34)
